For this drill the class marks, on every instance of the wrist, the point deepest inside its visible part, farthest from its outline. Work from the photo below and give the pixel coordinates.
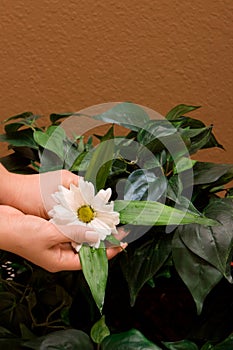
(9, 222)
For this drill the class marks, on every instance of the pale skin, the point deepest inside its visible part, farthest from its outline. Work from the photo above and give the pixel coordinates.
(24, 227)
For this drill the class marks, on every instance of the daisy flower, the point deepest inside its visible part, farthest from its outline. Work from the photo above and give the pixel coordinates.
(79, 205)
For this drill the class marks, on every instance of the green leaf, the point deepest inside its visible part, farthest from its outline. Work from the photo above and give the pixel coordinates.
(213, 244)
(226, 344)
(99, 330)
(140, 264)
(198, 275)
(61, 340)
(54, 117)
(209, 173)
(95, 269)
(51, 140)
(155, 129)
(101, 161)
(183, 164)
(13, 162)
(207, 346)
(155, 213)
(181, 345)
(179, 111)
(130, 340)
(200, 141)
(143, 184)
(126, 114)
(23, 115)
(21, 138)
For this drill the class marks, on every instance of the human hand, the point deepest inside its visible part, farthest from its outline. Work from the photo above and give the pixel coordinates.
(32, 194)
(43, 243)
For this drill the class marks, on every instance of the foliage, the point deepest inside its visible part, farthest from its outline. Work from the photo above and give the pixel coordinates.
(179, 212)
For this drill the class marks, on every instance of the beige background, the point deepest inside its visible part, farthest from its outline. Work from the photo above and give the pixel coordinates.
(58, 56)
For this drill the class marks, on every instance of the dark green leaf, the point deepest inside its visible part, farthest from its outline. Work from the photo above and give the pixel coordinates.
(226, 344)
(141, 264)
(207, 346)
(126, 114)
(12, 162)
(71, 339)
(5, 333)
(130, 340)
(180, 110)
(11, 344)
(51, 140)
(54, 117)
(213, 244)
(181, 345)
(198, 142)
(155, 129)
(95, 269)
(23, 115)
(101, 161)
(21, 138)
(99, 330)
(198, 275)
(208, 173)
(145, 185)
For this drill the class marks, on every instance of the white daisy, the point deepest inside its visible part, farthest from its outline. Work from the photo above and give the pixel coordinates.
(80, 206)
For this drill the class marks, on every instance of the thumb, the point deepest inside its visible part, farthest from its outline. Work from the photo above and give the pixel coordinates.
(78, 233)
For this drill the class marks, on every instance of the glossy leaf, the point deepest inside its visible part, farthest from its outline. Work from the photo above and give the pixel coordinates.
(145, 185)
(95, 269)
(226, 344)
(181, 345)
(198, 275)
(208, 173)
(213, 244)
(155, 213)
(200, 140)
(51, 140)
(130, 340)
(21, 138)
(126, 114)
(101, 161)
(180, 110)
(99, 330)
(23, 115)
(65, 339)
(145, 261)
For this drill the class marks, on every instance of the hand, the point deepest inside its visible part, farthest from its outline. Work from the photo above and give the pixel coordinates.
(31, 194)
(41, 242)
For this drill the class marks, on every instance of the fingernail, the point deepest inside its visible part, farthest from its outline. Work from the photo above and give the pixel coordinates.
(92, 236)
(123, 245)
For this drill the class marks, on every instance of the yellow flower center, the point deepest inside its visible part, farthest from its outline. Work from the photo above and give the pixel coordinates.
(85, 214)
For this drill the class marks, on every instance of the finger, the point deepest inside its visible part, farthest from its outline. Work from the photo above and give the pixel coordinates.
(78, 234)
(111, 252)
(63, 259)
(121, 233)
(68, 178)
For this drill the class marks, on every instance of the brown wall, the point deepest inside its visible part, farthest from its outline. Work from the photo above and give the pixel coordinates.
(65, 55)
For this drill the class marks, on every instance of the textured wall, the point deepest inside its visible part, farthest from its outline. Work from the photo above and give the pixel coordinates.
(66, 55)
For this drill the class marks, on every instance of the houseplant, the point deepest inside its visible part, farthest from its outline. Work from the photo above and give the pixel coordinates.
(176, 266)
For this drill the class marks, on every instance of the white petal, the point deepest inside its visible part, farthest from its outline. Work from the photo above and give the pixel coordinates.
(87, 190)
(110, 218)
(65, 197)
(104, 195)
(61, 215)
(101, 228)
(78, 198)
